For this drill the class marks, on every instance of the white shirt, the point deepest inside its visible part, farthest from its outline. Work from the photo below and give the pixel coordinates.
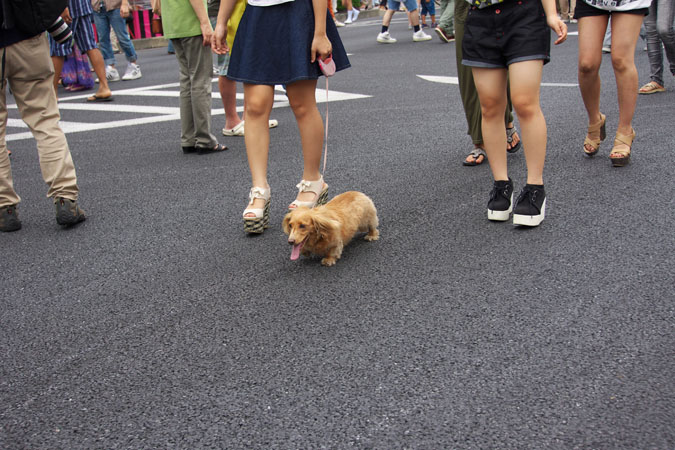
(267, 2)
(619, 5)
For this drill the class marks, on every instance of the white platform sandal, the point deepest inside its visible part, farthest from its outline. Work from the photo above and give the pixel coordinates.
(318, 187)
(261, 218)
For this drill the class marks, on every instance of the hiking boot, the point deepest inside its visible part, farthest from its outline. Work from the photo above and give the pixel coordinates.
(501, 200)
(531, 206)
(9, 218)
(67, 212)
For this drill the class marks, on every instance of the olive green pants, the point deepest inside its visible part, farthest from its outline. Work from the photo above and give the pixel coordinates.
(467, 88)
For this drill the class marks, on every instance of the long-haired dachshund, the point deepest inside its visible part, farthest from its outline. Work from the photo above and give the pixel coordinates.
(325, 230)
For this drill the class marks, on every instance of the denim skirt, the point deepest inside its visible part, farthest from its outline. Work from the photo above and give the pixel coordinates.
(273, 43)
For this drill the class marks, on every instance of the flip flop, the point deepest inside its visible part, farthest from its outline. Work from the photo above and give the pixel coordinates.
(96, 98)
(509, 139)
(476, 152)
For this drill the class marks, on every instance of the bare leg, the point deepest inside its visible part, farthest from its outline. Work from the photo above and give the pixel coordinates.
(414, 18)
(301, 95)
(386, 20)
(228, 93)
(57, 61)
(259, 101)
(625, 31)
(591, 34)
(525, 79)
(491, 87)
(99, 67)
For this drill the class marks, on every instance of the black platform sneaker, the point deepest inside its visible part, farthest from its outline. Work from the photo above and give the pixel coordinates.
(501, 200)
(531, 206)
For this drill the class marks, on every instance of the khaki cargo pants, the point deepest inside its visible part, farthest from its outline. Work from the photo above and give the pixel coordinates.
(28, 68)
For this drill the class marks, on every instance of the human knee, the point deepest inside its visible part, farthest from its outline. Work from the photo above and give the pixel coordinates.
(621, 63)
(526, 106)
(588, 67)
(492, 108)
(256, 107)
(665, 31)
(301, 108)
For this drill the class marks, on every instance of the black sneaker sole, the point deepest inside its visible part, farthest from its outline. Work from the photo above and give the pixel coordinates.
(530, 221)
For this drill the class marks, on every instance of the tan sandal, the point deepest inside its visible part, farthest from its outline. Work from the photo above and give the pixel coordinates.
(591, 146)
(651, 88)
(623, 154)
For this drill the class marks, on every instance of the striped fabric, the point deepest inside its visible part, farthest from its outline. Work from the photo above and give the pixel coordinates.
(83, 33)
(79, 8)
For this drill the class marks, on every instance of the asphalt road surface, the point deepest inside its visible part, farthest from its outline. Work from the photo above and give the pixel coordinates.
(158, 323)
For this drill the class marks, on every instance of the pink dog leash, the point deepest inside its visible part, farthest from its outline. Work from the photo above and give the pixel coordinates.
(327, 66)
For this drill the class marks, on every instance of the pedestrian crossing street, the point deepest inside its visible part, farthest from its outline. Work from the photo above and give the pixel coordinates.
(139, 114)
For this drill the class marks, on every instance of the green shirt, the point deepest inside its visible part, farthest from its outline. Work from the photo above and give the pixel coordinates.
(179, 19)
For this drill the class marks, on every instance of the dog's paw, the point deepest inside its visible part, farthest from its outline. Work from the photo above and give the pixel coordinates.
(328, 261)
(372, 236)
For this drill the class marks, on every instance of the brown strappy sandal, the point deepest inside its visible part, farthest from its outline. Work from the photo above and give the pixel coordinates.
(591, 146)
(624, 154)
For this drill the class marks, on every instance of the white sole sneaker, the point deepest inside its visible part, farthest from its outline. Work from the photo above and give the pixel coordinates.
(530, 221)
(500, 216)
(385, 39)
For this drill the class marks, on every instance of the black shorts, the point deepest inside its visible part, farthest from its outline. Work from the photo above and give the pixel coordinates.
(506, 33)
(583, 9)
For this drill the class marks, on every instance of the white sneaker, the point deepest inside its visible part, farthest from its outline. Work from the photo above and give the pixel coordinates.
(356, 14)
(348, 21)
(421, 36)
(111, 74)
(385, 38)
(133, 72)
(339, 24)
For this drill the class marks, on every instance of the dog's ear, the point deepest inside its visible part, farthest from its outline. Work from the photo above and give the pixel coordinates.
(286, 223)
(324, 225)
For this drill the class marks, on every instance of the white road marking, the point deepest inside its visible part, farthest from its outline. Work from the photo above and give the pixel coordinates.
(455, 80)
(156, 114)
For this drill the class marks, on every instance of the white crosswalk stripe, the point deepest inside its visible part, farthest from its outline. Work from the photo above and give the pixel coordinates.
(155, 114)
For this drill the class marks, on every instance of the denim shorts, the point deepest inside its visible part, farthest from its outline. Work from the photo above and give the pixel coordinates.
(583, 9)
(410, 5)
(428, 7)
(506, 33)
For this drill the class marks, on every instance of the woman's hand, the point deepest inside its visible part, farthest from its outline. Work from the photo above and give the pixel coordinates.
(321, 47)
(219, 39)
(558, 26)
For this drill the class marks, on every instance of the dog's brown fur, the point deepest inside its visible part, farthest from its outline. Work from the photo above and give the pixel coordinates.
(326, 229)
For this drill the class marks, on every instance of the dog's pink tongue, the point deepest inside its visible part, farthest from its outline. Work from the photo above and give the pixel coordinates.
(295, 252)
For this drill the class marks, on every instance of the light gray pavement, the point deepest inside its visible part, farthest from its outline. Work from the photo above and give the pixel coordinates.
(158, 324)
